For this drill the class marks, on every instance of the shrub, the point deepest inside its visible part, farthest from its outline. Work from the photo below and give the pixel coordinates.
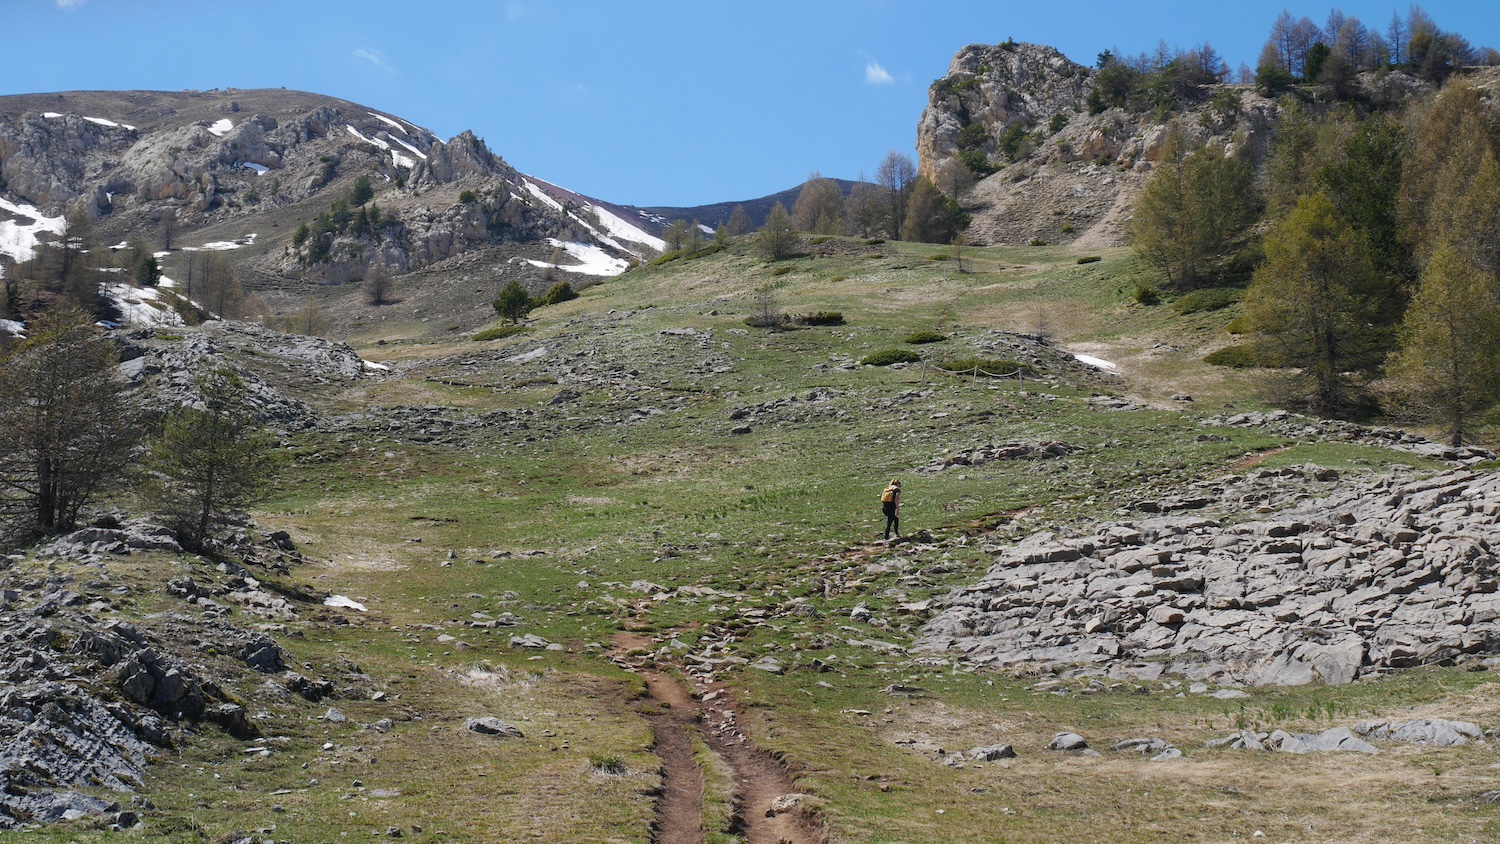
(1059, 120)
(502, 332)
(1239, 325)
(1089, 259)
(781, 271)
(1067, 228)
(1210, 299)
(1147, 295)
(1038, 242)
(917, 338)
(559, 292)
(820, 239)
(986, 366)
(467, 197)
(886, 357)
(1238, 357)
(822, 318)
(874, 241)
(838, 278)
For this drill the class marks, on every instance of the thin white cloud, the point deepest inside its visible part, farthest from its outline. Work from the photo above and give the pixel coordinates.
(877, 75)
(69, 4)
(374, 57)
(515, 11)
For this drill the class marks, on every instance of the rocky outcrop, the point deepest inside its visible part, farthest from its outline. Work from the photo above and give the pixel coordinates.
(1382, 575)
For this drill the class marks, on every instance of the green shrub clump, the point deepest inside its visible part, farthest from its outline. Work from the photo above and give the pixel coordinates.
(874, 241)
(1089, 259)
(781, 271)
(1147, 295)
(986, 366)
(559, 292)
(917, 338)
(1239, 357)
(887, 357)
(1038, 242)
(1211, 299)
(822, 318)
(502, 332)
(468, 196)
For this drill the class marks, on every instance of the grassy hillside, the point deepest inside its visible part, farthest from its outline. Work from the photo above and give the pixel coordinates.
(575, 478)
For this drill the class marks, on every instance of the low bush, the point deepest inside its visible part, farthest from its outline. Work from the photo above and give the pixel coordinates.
(986, 366)
(781, 271)
(1210, 299)
(887, 357)
(1147, 295)
(821, 318)
(1239, 325)
(1239, 357)
(559, 292)
(1038, 242)
(917, 338)
(502, 332)
(820, 240)
(467, 197)
(874, 241)
(1089, 259)
(1067, 228)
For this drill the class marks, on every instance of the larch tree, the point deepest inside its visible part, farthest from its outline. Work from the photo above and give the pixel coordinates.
(778, 238)
(819, 208)
(1447, 368)
(1192, 209)
(1315, 305)
(897, 175)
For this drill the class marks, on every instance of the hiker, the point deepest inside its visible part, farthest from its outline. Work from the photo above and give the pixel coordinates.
(890, 504)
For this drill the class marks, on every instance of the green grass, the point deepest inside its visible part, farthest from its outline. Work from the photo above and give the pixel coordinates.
(559, 521)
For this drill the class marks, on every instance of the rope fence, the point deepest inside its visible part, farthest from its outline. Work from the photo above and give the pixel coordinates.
(975, 372)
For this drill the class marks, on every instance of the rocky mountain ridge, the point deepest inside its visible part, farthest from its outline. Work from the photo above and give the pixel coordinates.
(175, 169)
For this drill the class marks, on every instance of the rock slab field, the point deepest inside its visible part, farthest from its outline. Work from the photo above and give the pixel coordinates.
(1381, 574)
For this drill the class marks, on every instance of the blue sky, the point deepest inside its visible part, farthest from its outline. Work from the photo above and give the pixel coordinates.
(645, 102)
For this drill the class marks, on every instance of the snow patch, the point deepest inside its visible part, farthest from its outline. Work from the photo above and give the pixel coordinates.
(221, 127)
(51, 115)
(543, 196)
(13, 328)
(251, 165)
(99, 121)
(414, 151)
(375, 141)
(592, 260)
(343, 601)
(220, 245)
(140, 306)
(1097, 363)
(372, 366)
(402, 161)
(625, 230)
(19, 240)
(396, 123)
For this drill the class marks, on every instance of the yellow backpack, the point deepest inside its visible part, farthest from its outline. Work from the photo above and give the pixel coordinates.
(889, 495)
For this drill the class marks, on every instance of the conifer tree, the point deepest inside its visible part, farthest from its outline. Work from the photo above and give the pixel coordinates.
(778, 238)
(208, 460)
(1315, 303)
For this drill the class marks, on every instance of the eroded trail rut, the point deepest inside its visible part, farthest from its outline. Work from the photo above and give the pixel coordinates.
(767, 810)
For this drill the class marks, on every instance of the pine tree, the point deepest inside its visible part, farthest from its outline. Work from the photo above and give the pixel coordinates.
(67, 429)
(514, 302)
(208, 460)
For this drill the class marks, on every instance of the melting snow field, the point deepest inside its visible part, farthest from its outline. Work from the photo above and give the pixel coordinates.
(13, 328)
(397, 158)
(591, 259)
(1098, 363)
(221, 127)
